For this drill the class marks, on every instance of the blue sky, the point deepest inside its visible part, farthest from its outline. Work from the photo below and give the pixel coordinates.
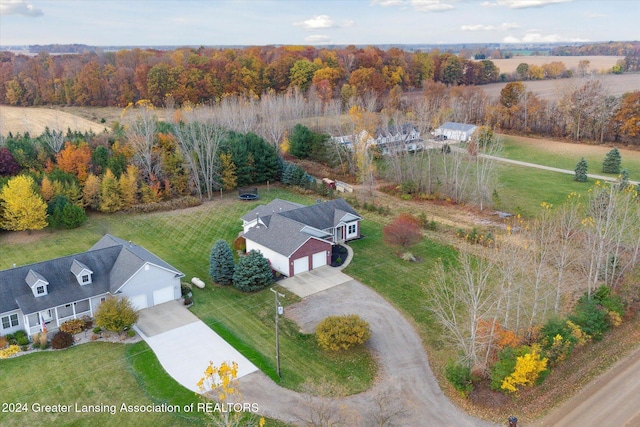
(262, 22)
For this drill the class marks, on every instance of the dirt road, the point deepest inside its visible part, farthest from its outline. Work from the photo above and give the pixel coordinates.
(412, 393)
(613, 399)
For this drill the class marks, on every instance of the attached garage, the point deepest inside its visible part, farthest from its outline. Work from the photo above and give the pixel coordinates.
(300, 265)
(139, 301)
(163, 295)
(319, 259)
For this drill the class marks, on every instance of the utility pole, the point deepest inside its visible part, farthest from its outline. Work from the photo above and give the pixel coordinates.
(278, 313)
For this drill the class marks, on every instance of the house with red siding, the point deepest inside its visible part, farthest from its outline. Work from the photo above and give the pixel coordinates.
(297, 238)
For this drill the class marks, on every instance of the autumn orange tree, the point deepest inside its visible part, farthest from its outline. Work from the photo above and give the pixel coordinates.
(403, 232)
(21, 207)
(75, 159)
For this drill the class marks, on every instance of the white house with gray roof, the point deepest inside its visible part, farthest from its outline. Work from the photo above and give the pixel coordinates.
(297, 238)
(71, 287)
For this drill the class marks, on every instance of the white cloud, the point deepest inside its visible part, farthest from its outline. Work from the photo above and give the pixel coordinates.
(316, 23)
(386, 3)
(317, 39)
(535, 37)
(488, 4)
(19, 7)
(419, 5)
(479, 27)
(431, 5)
(347, 23)
(523, 4)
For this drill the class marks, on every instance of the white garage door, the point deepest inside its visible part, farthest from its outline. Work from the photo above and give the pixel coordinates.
(139, 301)
(300, 265)
(163, 295)
(319, 259)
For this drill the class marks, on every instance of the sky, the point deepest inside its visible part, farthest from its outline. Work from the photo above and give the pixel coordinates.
(319, 22)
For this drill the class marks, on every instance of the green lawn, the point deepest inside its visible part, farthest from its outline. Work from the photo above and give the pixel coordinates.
(522, 190)
(565, 155)
(91, 374)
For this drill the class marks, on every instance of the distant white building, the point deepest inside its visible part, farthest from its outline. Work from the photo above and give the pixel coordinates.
(455, 131)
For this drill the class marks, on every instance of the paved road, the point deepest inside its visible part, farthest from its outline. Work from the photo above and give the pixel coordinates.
(403, 368)
(613, 399)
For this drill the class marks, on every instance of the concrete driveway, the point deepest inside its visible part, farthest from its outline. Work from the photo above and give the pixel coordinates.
(314, 281)
(184, 345)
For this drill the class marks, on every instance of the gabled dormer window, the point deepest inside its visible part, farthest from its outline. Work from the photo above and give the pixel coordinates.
(82, 272)
(37, 283)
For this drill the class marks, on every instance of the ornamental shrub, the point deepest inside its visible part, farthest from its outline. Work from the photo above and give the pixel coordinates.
(336, 333)
(221, 266)
(9, 351)
(73, 326)
(62, 340)
(116, 315)
(459, 376)
(252, 272)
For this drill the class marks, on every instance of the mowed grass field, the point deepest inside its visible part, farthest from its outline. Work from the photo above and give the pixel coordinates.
(566, 155)
(523, 189)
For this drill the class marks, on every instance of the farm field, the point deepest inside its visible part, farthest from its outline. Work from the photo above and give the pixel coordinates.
(35, 120)
(597, 64)
(552, 90)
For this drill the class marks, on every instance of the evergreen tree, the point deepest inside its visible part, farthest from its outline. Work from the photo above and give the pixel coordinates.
(612, 162)
(581, 171)
(221, 266)
(252, 272)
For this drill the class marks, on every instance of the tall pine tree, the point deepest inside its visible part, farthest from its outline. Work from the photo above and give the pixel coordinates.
(221, 266)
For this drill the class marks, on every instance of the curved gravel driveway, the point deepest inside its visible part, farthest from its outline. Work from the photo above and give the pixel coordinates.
(401, 360)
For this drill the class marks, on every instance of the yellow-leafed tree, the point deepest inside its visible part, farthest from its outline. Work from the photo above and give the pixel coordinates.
(527, 370)
(220, 384)
(228, 172)
(21, 208)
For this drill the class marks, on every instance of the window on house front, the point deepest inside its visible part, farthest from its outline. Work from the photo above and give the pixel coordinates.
(352, 229)
(10, 321)
(40, 290)
(85, 278)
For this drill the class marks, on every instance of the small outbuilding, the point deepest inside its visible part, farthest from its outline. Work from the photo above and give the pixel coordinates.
(455, 131)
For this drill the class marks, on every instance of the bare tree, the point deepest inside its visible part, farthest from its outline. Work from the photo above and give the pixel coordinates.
(141, 125)
(54, 139)
(461, 298)
(199, 139)
(388, 409)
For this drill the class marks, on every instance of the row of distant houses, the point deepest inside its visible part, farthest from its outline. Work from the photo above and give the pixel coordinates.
(406, 137)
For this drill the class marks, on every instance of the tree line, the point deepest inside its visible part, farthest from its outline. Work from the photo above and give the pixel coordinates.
(206, 75)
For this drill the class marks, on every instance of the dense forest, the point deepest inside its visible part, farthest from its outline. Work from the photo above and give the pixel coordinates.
(206, 75)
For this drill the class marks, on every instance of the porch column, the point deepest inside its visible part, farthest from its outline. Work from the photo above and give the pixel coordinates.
(57, 317)
(73, 308)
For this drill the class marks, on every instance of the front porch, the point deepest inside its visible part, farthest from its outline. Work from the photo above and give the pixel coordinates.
(56, 316)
